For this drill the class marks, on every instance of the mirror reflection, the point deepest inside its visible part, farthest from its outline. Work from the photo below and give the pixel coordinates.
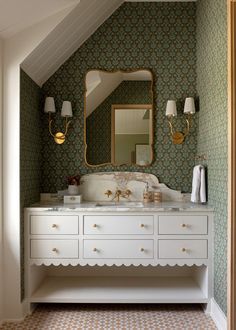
(119, 117)
(131, 134)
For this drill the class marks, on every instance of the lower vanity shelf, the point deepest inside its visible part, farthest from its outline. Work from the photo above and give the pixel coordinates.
(118, 285)
(119, 290)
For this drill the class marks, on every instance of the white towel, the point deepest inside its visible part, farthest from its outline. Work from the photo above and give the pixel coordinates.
(198, 185)
(203, 185)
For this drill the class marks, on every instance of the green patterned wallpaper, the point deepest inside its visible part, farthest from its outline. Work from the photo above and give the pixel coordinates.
(161, 37)
(156, 36)
(212, 136)
(98, 123)
(30, 149)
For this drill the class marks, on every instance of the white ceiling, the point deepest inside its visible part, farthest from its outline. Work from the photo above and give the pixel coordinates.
(16, 15)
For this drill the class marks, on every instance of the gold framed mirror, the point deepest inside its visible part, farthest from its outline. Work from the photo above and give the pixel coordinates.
(118, 116)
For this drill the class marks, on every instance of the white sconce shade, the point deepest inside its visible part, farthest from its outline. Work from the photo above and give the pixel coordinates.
(49, 105)
(66, 110)
(171, 108)
(189, 105)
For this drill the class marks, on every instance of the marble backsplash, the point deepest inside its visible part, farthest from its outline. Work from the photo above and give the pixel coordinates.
(93, 186)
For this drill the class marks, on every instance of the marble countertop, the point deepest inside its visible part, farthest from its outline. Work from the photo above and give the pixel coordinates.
(120, 207)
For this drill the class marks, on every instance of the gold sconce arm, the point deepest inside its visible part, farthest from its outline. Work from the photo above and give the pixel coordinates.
(178, 137)
(188, 122)
(170, 125)
(59, 137)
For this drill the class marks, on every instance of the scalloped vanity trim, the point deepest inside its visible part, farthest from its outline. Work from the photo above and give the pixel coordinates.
(117, 263)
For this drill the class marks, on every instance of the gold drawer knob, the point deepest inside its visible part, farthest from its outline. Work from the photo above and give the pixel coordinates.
(142, 249)
(142, 225)
(94, 249)
(55, 250)
(94, 225)
(183, 225)
(54, 225)
(183, 250)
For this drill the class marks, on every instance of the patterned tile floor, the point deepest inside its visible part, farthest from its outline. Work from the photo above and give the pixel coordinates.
(145, 317)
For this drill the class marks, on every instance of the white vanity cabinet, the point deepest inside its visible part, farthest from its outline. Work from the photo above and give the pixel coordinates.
(72, 254)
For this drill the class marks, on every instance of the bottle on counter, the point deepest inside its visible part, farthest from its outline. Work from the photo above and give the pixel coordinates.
(157, 197)
(147, 194)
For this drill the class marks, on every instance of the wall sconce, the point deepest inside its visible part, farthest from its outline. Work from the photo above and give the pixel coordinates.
(171, 112)
(66, 111)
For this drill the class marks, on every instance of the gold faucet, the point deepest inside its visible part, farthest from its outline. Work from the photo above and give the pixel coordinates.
(124, 194)
(127, 193)
(108, 193)
(118, 193)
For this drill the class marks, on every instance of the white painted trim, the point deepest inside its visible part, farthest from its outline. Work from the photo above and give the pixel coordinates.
(218, 315)
(15, 50)
(18, 319)
(24, 305)
(1, 223)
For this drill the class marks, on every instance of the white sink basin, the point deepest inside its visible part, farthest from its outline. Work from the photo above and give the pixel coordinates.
(119, 204)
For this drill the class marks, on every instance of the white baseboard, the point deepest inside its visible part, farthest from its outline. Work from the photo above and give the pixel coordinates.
(24, 308)
(218, 315)
(13, 320)
(19, 319)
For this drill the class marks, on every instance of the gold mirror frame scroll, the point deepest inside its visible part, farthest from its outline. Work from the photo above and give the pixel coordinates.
(152, 133)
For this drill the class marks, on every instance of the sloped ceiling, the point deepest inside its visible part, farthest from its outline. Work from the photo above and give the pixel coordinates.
(17, 15)
(67, 37)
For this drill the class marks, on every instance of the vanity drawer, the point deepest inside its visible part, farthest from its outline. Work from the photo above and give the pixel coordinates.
(182, 225)
(118, 249)
(54, 225)
(118, 224)
(183, 249)
(54, 249)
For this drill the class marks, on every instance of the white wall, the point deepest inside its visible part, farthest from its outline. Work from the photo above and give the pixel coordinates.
(1, 245)
(15, 51)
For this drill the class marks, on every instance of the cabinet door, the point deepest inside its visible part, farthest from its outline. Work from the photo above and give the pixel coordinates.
(54, 224)
(118, 249)
(54, 248)
(182, 249)
(183, 224)
(118, 224)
